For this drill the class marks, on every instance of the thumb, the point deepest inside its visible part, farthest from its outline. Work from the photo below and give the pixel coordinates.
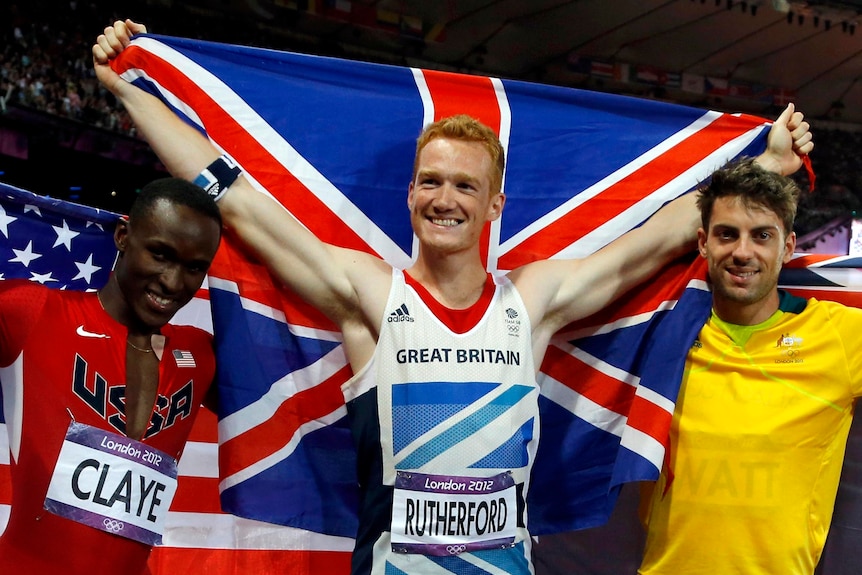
(786, 115)
(135, 28)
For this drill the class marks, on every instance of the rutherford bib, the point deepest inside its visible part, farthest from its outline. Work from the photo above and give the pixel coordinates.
(448, 515)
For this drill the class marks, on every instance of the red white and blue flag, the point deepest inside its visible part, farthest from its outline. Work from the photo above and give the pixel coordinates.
(333, 142)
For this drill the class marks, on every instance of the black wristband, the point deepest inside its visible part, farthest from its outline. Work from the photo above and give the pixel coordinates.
(216, 178)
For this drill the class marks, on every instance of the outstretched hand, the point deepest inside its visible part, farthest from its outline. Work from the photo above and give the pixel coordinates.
(789, 140)
(108, 46)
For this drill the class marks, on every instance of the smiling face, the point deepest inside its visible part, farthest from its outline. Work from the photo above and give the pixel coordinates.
(164, 256)
(745, 248)
(450, 197)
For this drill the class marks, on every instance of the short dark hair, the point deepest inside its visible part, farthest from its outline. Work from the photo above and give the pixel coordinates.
(755, 187)
(176, 191)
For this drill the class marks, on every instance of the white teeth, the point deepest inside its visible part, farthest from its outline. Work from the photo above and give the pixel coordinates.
(446, 223)
(163, 301)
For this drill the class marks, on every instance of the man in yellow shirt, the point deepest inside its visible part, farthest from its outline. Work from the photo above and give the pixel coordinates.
(761, 421)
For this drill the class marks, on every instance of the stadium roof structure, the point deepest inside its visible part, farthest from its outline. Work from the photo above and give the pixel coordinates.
(736, 55)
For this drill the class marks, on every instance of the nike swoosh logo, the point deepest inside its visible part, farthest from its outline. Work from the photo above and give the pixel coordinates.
(84, 333)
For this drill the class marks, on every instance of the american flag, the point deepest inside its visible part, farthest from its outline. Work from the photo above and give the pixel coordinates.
(184, 358)
(55, 243)
(333, 141)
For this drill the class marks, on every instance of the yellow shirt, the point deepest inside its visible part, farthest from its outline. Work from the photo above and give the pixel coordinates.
(757, 445)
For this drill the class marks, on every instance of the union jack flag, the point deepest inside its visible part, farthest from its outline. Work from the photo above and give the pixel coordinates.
(333, 142)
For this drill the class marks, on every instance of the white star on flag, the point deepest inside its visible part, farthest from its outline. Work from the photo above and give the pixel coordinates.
(5, 220)
(26, 255)
(65, 236)
(86, 269)
(42, 278)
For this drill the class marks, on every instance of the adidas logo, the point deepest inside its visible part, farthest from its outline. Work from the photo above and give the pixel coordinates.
(400, 314)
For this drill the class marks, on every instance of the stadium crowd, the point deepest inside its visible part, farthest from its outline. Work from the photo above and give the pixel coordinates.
(45, 64)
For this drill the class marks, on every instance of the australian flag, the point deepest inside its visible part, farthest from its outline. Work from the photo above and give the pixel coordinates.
(333, 142)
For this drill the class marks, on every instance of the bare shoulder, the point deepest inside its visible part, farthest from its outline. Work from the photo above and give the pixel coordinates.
(371, 278)
(542, 278)
(542, 284)
(365, 269)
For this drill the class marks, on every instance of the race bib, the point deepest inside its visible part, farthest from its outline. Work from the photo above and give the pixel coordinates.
(112, 483)
(447, 515)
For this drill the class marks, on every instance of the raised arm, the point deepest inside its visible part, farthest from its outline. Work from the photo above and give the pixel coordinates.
(346, 285)
(558, 292)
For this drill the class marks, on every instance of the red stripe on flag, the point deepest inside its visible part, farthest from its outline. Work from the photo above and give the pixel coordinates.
(668, 285)
(572, 226)
(803, 261)
(461, 94)
(602, 389)
(191, 560)
(197, 495)
(205, 428)
(846, 296)
(272, 435)
(251, 154)
(649, 418)
(5, 485)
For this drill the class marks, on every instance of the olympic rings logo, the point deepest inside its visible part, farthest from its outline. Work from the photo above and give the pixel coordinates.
(455, 549)
(113, 525)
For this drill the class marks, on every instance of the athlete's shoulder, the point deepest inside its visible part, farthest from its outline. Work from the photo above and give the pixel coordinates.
(835, 310)
(789, 303)
(23, 296)
(825, 304)
(21, 286)
(22, 306)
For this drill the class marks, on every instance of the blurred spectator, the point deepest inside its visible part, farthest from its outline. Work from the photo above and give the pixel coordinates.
(45, 62)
